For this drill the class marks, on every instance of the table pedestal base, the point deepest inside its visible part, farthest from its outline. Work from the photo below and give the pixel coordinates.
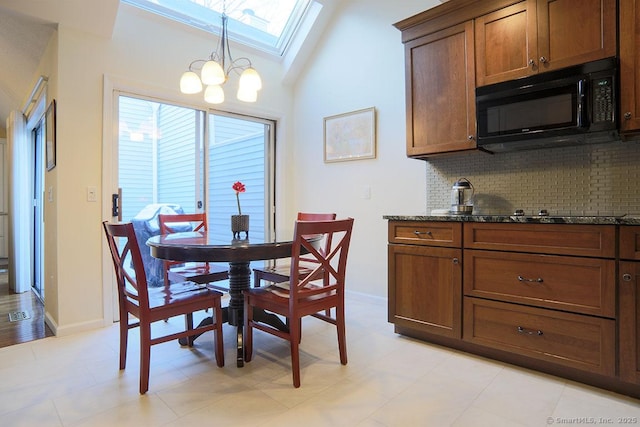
(239, 280)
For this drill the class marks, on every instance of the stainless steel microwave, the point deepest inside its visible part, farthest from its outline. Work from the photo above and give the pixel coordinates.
(571, 106)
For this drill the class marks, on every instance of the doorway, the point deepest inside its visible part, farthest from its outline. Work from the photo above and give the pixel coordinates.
(25, 305)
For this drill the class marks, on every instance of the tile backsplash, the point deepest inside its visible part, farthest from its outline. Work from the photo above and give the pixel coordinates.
(587, 180)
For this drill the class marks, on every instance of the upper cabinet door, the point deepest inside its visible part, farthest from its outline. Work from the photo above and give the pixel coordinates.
(506, 43)
(440, 92)
(571, 32)
(535, 36)
(630, 66)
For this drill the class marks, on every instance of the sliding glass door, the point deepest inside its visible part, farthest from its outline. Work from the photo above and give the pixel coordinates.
(188, 159)
(173, 158)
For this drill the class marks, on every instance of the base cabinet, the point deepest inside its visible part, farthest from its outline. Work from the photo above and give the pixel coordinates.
(629, 305)
(559, 298)
(556, 304)
(425, 279)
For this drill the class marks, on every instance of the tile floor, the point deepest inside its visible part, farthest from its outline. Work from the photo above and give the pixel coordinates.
(389, 381)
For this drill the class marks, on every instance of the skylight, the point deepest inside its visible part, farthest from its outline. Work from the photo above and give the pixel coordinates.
(263, 24)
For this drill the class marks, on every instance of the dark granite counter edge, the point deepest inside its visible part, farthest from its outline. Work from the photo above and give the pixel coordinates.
(593, 220)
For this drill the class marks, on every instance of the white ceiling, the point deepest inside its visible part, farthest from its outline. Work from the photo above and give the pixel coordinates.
(25, 29)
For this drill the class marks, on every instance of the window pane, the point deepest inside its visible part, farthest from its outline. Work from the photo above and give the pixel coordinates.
(159, 155)
(237, 149)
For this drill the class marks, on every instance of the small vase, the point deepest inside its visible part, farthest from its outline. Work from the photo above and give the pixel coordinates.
(239, 224)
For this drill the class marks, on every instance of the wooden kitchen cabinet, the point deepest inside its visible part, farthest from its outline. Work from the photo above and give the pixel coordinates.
(558, 298)
(535, 36)
(629, 305)
(425, 277)
(581, 342)
(629, 67)
(544, 291)
(461, 44)
(576, 284)
(506, 41)
(440, 92)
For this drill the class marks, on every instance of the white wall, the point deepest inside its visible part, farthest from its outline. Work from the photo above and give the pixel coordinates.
(146, 55)
(359, 64)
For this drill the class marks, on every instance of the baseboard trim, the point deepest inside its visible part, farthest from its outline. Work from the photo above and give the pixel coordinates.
(63, 331)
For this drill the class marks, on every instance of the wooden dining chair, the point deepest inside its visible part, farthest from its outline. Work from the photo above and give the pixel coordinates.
(179, 271)
(305, 295)
(151, 305)
(280, 272)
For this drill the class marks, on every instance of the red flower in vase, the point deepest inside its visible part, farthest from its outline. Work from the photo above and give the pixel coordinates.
(238, 187)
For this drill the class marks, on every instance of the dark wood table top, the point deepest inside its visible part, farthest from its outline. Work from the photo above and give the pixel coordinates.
(199, 246)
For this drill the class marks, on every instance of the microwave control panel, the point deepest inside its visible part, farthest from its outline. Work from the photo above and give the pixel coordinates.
(603, 108)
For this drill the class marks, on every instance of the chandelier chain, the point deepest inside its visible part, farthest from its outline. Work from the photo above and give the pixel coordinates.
(215, 71)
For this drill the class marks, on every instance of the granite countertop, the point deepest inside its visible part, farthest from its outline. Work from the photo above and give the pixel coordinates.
(527, 219)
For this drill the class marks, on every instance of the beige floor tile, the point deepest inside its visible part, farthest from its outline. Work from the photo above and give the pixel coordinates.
(521, 396)
(389, 381)
(433, 399)
(476, 417)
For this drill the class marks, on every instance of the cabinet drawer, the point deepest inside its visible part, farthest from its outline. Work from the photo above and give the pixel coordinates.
(560, 239)
(577, 341)
(431, 233)
(582, 285)
(630, 242)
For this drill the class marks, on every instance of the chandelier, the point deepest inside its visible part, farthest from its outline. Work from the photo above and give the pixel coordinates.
(215, 71)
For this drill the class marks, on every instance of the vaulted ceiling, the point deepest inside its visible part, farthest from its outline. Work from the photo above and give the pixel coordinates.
(26, 27)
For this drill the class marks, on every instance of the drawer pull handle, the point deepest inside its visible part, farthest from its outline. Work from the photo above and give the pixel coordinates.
(522, 330)
(523, 279)
(418, 233)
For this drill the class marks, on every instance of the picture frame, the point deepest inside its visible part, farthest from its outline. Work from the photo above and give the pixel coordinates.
(350, 136)
(50, 135)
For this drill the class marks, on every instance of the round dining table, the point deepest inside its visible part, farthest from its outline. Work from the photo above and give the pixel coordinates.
(201, 246)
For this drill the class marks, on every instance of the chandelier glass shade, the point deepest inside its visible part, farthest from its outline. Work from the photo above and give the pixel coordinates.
(214, 72)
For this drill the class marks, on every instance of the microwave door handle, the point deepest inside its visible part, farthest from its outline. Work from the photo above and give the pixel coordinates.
(582, 111)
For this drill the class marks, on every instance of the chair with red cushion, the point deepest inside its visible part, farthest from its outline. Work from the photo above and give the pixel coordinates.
(305, 295)
(179, 271)
(151, 305)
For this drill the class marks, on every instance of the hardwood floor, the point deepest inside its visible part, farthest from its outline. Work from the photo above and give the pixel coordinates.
(22, 330)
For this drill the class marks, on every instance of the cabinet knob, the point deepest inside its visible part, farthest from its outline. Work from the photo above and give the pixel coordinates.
(470, 137)
(627, 115)
(455, 261)
(627, 277)
(532, 63)
(543, 60)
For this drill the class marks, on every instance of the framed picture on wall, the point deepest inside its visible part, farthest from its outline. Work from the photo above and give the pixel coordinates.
(350, 136)
(50, 141)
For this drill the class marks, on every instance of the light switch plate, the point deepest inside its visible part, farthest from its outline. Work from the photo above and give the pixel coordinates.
(92, 194)
(366, 192)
